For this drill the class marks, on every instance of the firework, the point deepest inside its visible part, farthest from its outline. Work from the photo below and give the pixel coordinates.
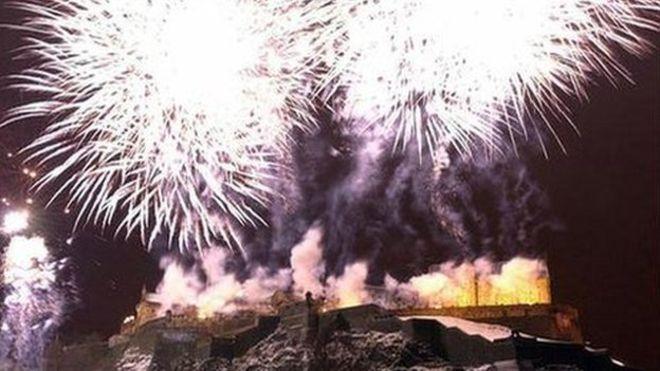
(164, 117)
(439, 72)
(15, 221)
(34, 303)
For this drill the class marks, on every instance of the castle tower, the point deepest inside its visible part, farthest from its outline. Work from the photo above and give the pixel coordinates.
(147, 308)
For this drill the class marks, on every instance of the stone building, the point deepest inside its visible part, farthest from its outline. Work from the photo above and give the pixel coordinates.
(464, 336)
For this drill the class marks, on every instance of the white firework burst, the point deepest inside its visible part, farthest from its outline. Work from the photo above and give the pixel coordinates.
(439, 71)
(164, 116)
(33, 306)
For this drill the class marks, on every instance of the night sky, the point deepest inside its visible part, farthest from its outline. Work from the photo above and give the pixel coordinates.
(606, 193)
(605, 262)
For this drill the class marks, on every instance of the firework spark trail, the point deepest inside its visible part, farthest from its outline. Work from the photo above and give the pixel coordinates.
(31, 309)
(34, 304)
(475, 71)
(166, 117)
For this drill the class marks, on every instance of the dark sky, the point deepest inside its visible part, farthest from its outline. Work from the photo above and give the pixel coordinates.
(605, 191)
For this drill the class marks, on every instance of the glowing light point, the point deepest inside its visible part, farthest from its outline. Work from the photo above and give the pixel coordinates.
(15, 221)
(25, 252)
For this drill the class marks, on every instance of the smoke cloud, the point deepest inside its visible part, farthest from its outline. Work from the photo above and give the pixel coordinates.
(307, 263)
(350, 288)
(401, 212)
(210, 288)
(355, 215)
(473, 283)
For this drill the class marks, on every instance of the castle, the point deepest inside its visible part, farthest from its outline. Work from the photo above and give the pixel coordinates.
(509, 335)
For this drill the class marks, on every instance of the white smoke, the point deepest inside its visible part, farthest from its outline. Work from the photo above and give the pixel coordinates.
(349, 289)
(472, 283)
(210, 288)
(177, 285)
(308, 271)
(307, 263)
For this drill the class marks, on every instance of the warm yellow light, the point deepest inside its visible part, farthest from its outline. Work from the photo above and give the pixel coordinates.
(483, 283)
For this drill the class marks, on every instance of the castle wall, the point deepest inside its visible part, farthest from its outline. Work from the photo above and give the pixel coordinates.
(173, 338)
(546, 320)
(456, 346)
(368, 317)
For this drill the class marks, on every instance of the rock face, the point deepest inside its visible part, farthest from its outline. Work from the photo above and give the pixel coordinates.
(278, 352)
(345, 350)
(376, 351)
